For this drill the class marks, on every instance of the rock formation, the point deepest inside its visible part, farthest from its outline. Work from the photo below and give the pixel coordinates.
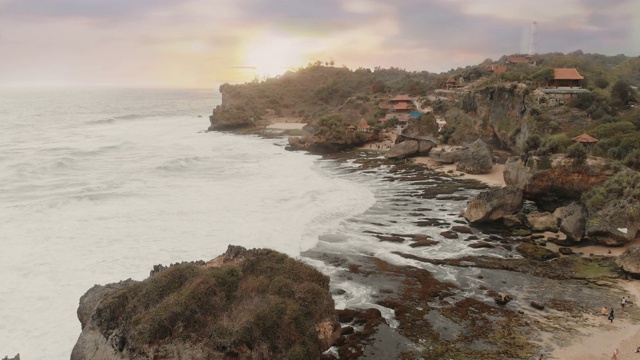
(404, 149)
(246, 304)
(476, 159)
(542, 221)
(572, 220)
(493, 204)
(629, 260)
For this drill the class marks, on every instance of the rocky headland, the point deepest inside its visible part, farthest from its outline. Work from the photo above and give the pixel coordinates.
(245, 304)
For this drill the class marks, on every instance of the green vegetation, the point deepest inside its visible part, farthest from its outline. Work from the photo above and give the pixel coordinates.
(268, 301)
(578, 153)
(623, 185)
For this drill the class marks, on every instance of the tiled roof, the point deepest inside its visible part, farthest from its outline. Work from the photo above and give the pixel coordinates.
(517, 59)
(584, 138)
(362, 124)
(401, 98)
(401, 106)
(566, 74)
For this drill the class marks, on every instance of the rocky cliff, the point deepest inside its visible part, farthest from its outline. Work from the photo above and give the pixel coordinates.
(504, 116)
(596, 201)
(245, 304)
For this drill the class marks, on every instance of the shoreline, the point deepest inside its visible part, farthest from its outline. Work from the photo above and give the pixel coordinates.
(593, 337)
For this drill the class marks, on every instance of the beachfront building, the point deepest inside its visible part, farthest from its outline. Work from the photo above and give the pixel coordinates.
(566, 84)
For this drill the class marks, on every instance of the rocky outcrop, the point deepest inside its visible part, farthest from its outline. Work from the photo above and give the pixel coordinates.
(629, 260)
(535, 252)
(231, 118)
(572, 221)
(404, 149)
(248, 304)
(320, 145)
(493, 204)
(555, 181)
(476, 159)
(616, 224)
(542, 221)
(17, 357)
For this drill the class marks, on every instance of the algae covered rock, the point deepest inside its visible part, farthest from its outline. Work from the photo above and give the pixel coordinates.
(248, 304)
(535, 252)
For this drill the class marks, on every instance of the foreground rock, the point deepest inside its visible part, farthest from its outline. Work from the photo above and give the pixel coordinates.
(246, 304)
(572, 221)
(493, 204)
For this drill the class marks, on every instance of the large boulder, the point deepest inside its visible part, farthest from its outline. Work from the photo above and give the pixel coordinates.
(542, 221)
(572, 221)
(614, 209)
(404, 149)
(476, 159)
(629, 260)
(447, 155)
(246, 304)
(493, 204)
(617, 223)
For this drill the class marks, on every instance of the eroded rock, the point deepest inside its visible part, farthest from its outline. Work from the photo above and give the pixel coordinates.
(493, 204)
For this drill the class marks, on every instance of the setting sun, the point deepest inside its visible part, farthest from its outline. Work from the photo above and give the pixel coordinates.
(273, 55)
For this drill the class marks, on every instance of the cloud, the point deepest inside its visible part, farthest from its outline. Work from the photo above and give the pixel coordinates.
(191, 42)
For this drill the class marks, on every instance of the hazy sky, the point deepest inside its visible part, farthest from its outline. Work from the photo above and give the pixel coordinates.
(202, 43)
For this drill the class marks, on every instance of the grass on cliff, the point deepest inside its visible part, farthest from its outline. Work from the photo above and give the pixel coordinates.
(270, 304)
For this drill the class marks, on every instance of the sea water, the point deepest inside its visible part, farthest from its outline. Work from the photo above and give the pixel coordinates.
(99, 185)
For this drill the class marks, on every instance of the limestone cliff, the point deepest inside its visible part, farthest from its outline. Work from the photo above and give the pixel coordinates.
(504, 116)
(245, 304)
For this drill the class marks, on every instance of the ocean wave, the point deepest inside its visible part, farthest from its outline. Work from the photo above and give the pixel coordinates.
(179, 163)
(125, 145)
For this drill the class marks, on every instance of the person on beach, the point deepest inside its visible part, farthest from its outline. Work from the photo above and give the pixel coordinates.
(623, 302)
(604, 311)
(615, 355)
(611, 315)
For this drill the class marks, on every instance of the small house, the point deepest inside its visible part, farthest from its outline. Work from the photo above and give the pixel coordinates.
(363, 126)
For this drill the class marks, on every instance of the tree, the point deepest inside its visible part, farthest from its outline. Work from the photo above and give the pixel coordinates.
(543, 76)
(622, 94)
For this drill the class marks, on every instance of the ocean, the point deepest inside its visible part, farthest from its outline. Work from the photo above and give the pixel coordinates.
(99, 185)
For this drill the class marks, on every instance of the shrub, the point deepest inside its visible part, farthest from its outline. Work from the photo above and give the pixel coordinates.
(632, 159)
(578, 153)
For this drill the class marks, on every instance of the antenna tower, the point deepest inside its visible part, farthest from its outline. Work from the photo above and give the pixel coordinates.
(533, 39)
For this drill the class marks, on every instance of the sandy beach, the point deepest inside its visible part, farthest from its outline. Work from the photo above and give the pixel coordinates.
(494, 178)
(286, 126)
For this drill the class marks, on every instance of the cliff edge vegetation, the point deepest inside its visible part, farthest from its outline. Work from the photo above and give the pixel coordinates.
(248, 304)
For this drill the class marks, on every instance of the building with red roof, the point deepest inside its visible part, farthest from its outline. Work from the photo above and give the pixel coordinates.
(363, 126)
(566, 77)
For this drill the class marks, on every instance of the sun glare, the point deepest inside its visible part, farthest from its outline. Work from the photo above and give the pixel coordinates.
(273, 55)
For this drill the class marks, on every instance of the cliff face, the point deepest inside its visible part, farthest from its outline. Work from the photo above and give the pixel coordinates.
(505, 116)
(248, 304)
